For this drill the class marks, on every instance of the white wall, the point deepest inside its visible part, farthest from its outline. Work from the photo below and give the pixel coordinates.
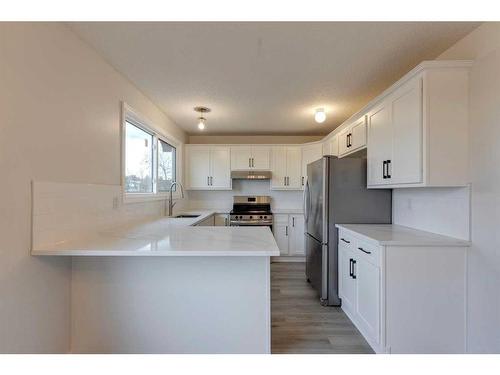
(483, 323)
(223, 200)
(440, 210)
(59, 121)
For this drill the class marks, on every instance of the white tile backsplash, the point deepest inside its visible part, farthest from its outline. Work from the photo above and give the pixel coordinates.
(63, 211)
(223, 200)
(444, 211)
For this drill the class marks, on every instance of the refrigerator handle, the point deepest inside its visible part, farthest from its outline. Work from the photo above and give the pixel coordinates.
(304, 201)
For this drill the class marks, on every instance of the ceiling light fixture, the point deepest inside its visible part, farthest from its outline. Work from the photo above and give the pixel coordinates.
(201, 124)
(320, 115)
(202, 120)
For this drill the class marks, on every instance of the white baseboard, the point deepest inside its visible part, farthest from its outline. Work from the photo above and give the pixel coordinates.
(286, 258)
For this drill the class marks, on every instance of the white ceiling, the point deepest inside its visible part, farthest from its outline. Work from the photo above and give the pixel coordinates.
(266, 78)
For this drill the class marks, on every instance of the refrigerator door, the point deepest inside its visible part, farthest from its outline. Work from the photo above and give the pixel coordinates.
(316, 204)
(316, 270)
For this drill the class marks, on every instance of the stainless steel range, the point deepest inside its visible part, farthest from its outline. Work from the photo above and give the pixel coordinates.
(251, 211)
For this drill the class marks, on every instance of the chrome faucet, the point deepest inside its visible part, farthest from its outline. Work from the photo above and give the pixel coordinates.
(171, 203)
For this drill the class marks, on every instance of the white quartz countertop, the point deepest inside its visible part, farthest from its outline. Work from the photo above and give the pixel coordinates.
(397, 235)
(169, 237)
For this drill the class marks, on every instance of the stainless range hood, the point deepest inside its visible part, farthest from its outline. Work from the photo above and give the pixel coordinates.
(251, 175)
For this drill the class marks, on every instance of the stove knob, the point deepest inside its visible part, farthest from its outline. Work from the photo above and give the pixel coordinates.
(251, 217)
(265, 217)
(241, 217)
(261, 217)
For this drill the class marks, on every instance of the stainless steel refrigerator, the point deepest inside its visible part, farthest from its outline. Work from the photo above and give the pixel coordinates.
(336, 193)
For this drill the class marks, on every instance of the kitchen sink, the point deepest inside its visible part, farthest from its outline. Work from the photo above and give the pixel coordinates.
(185, 216)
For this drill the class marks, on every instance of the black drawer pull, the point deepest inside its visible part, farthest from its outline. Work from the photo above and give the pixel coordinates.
(345, 240)
(364, 251)
(350, 267)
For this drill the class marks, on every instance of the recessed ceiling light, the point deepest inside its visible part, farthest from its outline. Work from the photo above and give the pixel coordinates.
(320, 115)
(202, 120)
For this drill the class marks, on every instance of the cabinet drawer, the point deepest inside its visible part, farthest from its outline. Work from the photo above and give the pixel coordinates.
(368, 252)
(346, 239)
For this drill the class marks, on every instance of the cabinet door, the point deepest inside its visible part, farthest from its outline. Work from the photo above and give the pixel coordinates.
(309, 154)
(368, 298)
(296, 243)
(294, 168)
(261, 157)
(241, 157)
(278, 165)
(379, 143)
(221, 220)
(220, 171)
(347, 284)
(198, 167)
(280, 230)
(334, 145)
(407, 129)
(343, 141)
(358, 132)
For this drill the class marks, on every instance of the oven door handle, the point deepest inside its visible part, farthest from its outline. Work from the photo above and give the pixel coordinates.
(250, 222)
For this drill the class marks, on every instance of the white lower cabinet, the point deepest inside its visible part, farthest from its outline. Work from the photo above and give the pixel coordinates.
(404, 297)
(281, 234)
(289, 234)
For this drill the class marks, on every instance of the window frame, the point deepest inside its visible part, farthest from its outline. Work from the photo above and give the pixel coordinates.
(132, 116)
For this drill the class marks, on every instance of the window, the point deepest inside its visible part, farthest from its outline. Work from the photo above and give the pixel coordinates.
(166, 165)
(150, 159)
(138, 160)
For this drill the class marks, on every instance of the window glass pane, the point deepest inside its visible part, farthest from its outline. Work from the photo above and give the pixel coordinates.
(138, 160)
(166, 165)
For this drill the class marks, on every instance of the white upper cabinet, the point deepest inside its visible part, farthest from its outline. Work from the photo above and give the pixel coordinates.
(331, 146)
(197, 167)
(286, 168)
(310, 154)
(417, 132)
(353, 137)
(250, 157)
(208, 167)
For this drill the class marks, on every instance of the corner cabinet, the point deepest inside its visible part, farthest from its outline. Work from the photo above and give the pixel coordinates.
(310, 153)
(417, 133)
(208, 167)
(286, 168)
(404, 297)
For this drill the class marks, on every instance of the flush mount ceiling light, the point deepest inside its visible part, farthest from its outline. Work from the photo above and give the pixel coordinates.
(202, 120)
(320, 115)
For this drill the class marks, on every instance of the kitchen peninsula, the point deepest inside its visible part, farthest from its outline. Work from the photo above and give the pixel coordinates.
(169, 286)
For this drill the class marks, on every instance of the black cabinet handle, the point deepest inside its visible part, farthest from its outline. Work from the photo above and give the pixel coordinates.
(384, 163)
(353, 269)
(302, 180)
(286, 230)
(388, 164)
(350, 267)
(342, 239)
(293, 221)
(364, 251)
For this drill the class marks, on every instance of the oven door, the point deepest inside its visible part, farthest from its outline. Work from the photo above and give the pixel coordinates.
(250, 223)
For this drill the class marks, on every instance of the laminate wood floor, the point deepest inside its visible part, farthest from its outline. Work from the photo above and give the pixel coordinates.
(300, 325)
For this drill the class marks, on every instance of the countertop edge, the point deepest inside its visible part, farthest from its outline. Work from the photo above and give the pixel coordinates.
(446, 241)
